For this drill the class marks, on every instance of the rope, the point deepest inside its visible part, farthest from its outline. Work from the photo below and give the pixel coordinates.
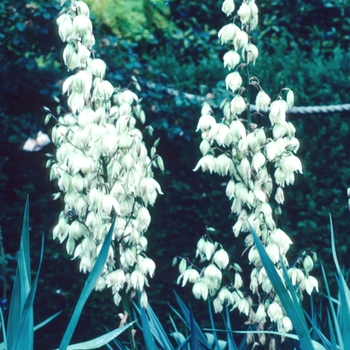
(294, 110)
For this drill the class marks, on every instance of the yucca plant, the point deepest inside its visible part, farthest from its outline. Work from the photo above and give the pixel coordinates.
(19, 332)
(333, 333)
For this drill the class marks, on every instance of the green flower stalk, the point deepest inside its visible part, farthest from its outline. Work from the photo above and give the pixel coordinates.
(102, 165)
(258, 162)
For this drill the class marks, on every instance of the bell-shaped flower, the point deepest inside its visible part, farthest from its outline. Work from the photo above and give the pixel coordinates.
(238, 130)
(137, 280)
(278, 112)
(251, 52)
(243, 306)
(260, 314)
(275, 312)
(82, 24)
(97, 68)
(65, 27)
(241, 40)
(221, 258)
(244, 12)
(228, 33)
(262, 100)
(233, 81)
(206, 163)
(231, 59)
(200, 290)
(238, 105)
(228, 7)
(206, 122)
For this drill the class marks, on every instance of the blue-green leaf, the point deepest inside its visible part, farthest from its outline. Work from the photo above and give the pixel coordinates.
(100, 341)
(21, 287)
(290, 304)
(25, 336)
(88, 288)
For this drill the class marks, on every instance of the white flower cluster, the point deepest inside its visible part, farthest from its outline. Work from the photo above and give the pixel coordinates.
(259, 162)
(102, 165)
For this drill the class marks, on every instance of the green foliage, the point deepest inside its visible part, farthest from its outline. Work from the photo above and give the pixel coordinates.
(135, 20)
(19, 333)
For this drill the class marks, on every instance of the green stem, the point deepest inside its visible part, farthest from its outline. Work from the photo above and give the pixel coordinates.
(249, 116)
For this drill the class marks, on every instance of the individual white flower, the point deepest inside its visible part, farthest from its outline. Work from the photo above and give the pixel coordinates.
(258, 161)
(238, 281)
(228, 7)
(284, 325)
(278, 112)
(231, 59)
(233, 81)
(241, 40)
(208, 249)
(262, 100)
(275, 312)
(206, 163)
(221, 258)
(147, 266)
(238, 130)
(252, 53)
(206, 122)
(190, 275)
(218, 307)
(97, 68)
(224, 164)
(238, 104)
(273, 252)
(221, 134)
(243, 306)
(213, 274)
(65, 27)
(82, 24)
(292, 164)
(137, 280)
(228, 33)
(144, 299)
(200, 290)
(279, 196)
(205, 147)
(225, 296)
(244, 12)
(260, 314)
(230, 189)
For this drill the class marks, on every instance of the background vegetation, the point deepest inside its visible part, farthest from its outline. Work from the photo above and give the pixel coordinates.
(173, 44)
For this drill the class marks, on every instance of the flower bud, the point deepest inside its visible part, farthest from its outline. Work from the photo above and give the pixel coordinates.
(290, 98)
(308, 264)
